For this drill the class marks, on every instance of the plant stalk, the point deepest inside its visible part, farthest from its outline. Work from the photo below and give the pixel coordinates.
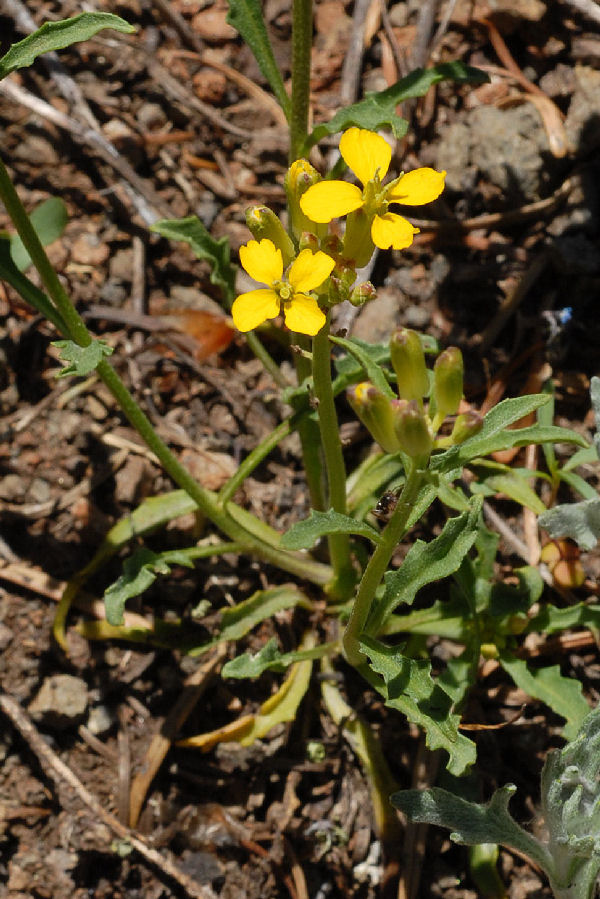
(302, 26)
(379, 562)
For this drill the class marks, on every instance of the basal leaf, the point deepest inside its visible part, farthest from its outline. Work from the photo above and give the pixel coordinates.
(562, 694)
(81, 360)
(204, 246)
(305, 533)
(470, 822)
(378, 110)
(49, 220)
(57, 36)
(270, 658)
(139, 571)
(580, 521)
(409, 687)
(246, 16)
(428, 562)
(238, 620)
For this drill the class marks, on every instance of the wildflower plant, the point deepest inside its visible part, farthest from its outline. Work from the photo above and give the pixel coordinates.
(406, 393)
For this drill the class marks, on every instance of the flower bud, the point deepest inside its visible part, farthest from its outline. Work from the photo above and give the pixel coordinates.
(447, 383)
(300, 176)
(466, 425)
(413, 428)
(375, 410)
(408, 361)
(262, 222)
(363, 293)
(308, 241)
(358, 245)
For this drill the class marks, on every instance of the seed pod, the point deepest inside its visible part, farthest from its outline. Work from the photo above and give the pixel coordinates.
(408, 361)
(413, 428)
(466, 425)
(375, 410)
(448, 382)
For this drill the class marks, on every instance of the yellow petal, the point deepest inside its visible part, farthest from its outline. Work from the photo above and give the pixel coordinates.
(391, 230)
(262, 260)
(253, 308)
(365, 153)
(418, 187)
(303, 315)
(309, 270)
(329, 199)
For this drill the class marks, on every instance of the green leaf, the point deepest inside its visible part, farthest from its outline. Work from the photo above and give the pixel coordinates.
(247, 18)
(577, 483)
(82, 360)
(512, 484)
(270, 658)
(204, 246)
(379, 109)
(57, 35)
(580, 521)
(238, 620)
(595, 397)
(428, 562)
(49, 220)
(139, 571)
(583, 456)
(26, 288)
(470, 822)
(374, 371)
(551, 620)
(305, 534)
(444, 618)
(410, 688)
(562, 694)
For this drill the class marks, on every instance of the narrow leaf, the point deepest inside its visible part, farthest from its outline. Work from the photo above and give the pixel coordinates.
(246, 16)
(26, 288)
(429, 562)
(379, 109)
(410, 688)
(305, 534)
(204, 246)
(373, 371)
(139, 571)
(57, 36)
(270, 658)
(562, 694)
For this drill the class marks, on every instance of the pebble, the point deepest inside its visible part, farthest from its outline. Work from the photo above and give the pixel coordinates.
(100, 720)
(61, 702)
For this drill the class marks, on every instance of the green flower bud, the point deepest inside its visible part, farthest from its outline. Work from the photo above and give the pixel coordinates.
(408, 361)
(262, 222)
(300, 176)
(466, 425)
(375, 410)
(358, 245)
(447, 383)
(363, 293)
(413, 428)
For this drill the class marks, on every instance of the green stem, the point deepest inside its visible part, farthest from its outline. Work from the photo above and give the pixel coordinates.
(302, 26)
(339, 544)
(254, 458)
(308, 430)
(379, 562)
(254, 534)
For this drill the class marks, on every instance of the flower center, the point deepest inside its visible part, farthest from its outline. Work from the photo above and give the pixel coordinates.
(284, 289)
(374, 197)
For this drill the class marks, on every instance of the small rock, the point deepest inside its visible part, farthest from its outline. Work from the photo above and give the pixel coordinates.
(89, 250)
(6, 636)
(61, 701)
(39, 491)
(211, 25)
(582, 123)
(12, 488)
(36, 150)
(100, 720)
(121, 265)
(151, 116)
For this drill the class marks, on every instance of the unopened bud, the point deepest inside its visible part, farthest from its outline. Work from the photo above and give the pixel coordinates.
(300, 176)
(413, 428)
(375, 410)
(363, 293)
(408, 361)
(262, 222)
(466, 425)
(447, 382)
(308, 241)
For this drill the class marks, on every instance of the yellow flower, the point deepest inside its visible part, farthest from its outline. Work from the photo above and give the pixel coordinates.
(369, 156)
(264, 263)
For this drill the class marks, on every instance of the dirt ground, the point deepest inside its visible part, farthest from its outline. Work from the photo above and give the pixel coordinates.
(513, 241)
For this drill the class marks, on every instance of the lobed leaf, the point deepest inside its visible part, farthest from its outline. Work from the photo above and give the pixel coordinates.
(409, 687)
(139, 571)
(270, 658)
(81, 360)
(58, 35)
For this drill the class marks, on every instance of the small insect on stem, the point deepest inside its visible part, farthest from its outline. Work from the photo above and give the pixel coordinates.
(386, 505)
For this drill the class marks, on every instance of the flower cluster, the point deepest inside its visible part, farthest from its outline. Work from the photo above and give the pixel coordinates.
(312, 269)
